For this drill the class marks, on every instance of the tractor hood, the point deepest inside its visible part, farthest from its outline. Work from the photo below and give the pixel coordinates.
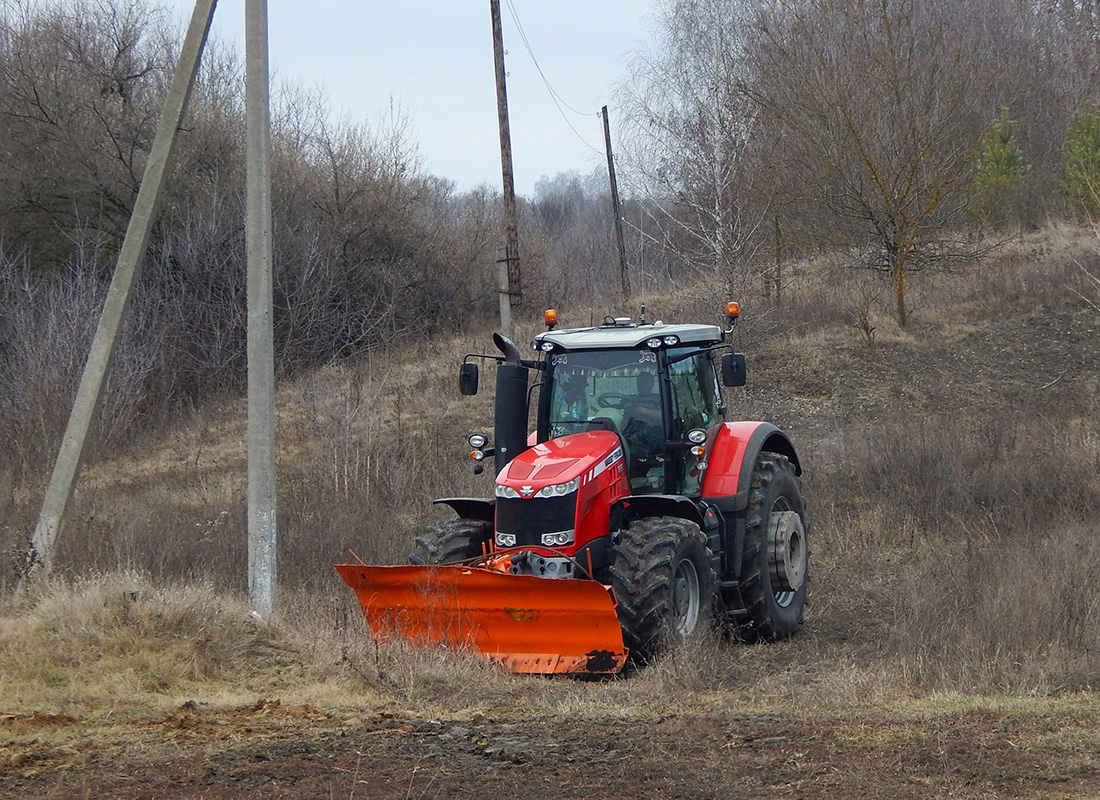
(558, 461)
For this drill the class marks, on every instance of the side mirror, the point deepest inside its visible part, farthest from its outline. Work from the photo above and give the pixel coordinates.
(467, 378)
(733, 369)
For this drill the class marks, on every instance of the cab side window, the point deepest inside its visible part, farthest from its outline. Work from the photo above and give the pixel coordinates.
(694, 393)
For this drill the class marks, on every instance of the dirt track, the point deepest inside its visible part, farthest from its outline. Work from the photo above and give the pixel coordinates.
(276, 751)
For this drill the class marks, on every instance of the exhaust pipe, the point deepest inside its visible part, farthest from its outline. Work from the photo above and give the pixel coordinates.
(510, 413)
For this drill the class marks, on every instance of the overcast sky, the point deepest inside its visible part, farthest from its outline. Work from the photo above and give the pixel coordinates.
(435, 58)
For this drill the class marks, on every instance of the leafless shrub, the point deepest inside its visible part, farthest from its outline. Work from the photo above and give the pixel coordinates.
(1091, 293)
(48, 328)
(863, 315)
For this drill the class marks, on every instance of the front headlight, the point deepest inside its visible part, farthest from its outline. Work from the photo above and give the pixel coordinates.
(557, 539)
(506, 540)
(559, 489)
(505, 491)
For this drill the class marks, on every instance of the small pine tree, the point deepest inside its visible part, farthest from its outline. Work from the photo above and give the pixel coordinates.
(997, 188)
(1079, 176)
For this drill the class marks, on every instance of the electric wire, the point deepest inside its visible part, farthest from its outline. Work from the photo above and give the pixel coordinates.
(559, 101)
(531, 52)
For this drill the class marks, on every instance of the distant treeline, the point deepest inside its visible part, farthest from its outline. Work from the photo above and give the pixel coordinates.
(891, 131)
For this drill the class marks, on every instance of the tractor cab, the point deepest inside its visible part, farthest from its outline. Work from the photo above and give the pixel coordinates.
(655, 386)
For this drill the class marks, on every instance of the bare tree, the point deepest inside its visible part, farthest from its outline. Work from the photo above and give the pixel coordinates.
(871, 97)
(80, 102)
(368, 249)
(691, 143)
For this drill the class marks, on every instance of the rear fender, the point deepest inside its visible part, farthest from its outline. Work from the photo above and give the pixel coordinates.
(470, 507)
(731, 460)
(732, 457)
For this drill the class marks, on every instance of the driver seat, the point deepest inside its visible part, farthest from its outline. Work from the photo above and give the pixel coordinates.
(635, 467)
(604, 424)
(608, 424)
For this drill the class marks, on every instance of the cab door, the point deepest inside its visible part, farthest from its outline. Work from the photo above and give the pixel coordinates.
(695, 403)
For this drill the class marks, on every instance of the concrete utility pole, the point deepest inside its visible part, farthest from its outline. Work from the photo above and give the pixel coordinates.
(66, 470)
(616, 208)
(508, 268)
(261, 359)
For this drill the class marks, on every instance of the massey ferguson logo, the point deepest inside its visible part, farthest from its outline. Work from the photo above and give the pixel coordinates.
(527, 491)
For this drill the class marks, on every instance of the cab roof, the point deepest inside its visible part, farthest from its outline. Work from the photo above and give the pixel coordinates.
(625, 334)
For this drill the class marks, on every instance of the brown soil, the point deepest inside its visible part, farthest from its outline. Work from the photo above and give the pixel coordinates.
(270, 750)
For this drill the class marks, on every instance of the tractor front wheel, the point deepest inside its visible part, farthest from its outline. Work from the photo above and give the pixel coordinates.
(451, 542)
(663, 582)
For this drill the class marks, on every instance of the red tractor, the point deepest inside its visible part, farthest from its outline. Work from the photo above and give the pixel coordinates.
(632, 516)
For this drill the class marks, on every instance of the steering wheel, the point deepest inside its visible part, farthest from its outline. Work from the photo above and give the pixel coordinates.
(613, 400)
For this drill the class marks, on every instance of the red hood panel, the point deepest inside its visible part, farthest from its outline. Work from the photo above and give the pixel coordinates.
(560, 460)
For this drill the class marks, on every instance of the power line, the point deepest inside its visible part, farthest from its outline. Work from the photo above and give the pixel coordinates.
(527, 44)
(559, 101)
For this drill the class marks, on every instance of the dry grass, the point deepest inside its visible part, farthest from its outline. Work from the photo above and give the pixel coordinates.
(952, 472)
(117, 642)
(120, 647)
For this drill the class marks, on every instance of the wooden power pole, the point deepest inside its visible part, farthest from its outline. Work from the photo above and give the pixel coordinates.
(508, 268)
(615, 206)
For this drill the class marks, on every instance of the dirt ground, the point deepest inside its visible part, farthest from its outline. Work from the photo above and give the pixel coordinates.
(270, 750)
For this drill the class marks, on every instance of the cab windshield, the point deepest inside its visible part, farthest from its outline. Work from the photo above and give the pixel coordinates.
(619, 391)
(599, 385)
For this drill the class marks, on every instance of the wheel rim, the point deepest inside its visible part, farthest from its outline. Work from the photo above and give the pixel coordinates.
(685, 597)
(783, 598)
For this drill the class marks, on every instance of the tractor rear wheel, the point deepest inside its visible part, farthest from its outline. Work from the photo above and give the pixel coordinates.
(663, 582)
(451, 542)
(770, 597)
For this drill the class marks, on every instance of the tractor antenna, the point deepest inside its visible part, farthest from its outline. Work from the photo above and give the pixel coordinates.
(642, 320)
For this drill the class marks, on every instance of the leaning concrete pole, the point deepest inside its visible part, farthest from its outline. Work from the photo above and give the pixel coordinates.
(67, 468)
(261, 360)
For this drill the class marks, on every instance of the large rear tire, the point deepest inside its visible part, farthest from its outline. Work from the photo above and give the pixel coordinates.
(663, 582)
(770, 598)
(451, 542)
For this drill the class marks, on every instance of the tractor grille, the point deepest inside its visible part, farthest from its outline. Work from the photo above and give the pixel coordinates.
(530, 519)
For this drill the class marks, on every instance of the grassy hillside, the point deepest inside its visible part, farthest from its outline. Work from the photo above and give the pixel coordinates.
(951, 648)
(952, 469)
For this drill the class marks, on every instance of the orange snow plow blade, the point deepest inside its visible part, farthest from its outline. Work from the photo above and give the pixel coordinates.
(525, 623)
